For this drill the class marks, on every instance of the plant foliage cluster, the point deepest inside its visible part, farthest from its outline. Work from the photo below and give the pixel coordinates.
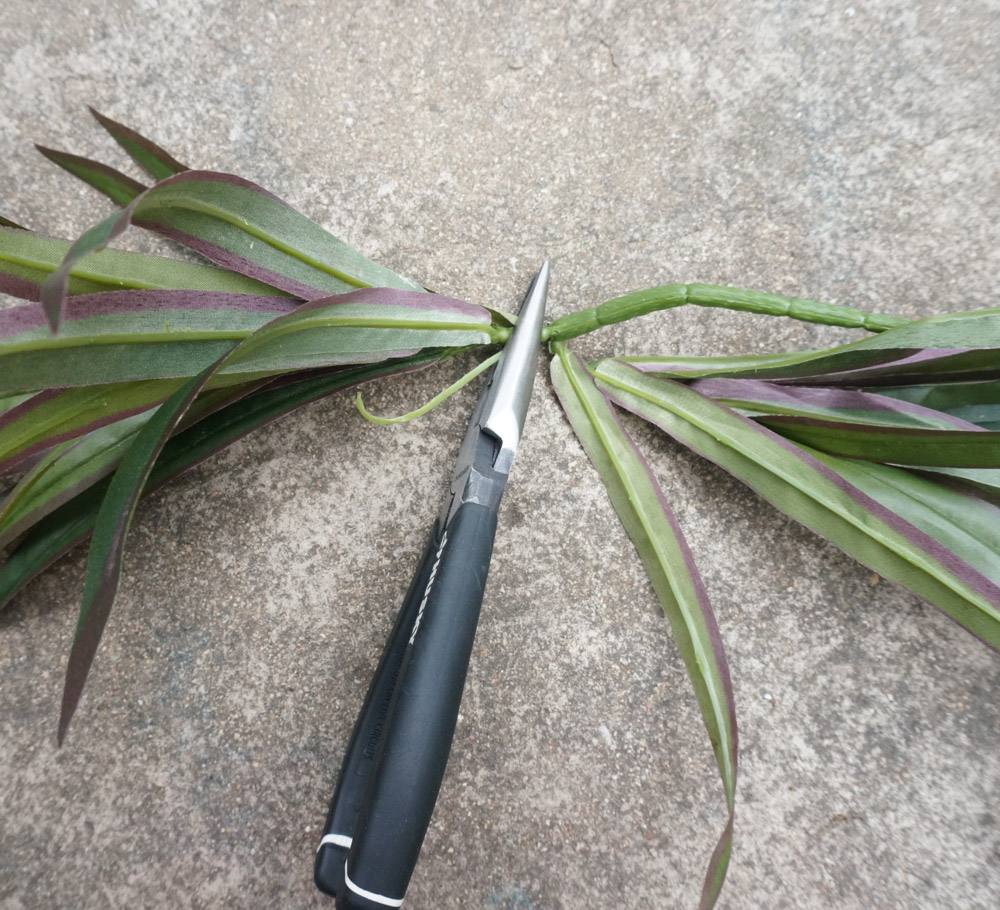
(124, 369)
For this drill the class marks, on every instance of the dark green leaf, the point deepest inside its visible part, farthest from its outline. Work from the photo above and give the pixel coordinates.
(145, 153)
(892, 445)
(72, 467)
(962, 523)
(58, 415)
(976, 402)
(71, 523)
(105, 559)
(118, 187)
(6, 222)
(954, 347)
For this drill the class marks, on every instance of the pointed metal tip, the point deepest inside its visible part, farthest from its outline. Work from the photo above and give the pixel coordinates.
(538, 291)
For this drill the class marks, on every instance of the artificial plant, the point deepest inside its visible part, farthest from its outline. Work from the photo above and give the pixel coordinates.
(126, 369)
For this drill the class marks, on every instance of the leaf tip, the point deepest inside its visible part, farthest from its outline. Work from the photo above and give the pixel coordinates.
(103, 120)
(69, 703)
(53, 291)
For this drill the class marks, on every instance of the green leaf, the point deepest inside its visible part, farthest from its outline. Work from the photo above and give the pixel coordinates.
(113, 520)
(148, 155)
(52, 537)
(118, 187)
(721, 366)
(808, 490)
(10, 400)
(67, 470)
(74, 466)
(984, 482)
(640, 505)
(976, 402)
(71, 523)
(955, 346)
(758, 399)
(893, 445)
(964, 524)
(30, 258)
(128, 335)
(240, 226)
(58, 415)
(859, 424)
(366, 325)
(111, 527)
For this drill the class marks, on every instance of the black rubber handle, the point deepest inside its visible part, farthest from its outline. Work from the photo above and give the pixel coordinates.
(413, 751)
(359, 759)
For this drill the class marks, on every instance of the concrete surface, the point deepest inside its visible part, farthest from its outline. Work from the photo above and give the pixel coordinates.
(837, 151)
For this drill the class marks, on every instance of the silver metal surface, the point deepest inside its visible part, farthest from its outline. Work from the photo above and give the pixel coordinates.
(510, 387)
(490, 443)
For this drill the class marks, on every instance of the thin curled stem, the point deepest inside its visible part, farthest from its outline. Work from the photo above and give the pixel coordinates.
(668, 296)
(441, 396)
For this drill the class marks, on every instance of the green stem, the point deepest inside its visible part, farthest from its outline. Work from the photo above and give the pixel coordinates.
(640, 303)
(441, 396)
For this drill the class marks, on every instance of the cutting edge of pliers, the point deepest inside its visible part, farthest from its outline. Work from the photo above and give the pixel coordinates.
(494, 434)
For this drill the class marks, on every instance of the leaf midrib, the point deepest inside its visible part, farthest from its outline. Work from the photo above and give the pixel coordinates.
(701, 659)
(940, 574)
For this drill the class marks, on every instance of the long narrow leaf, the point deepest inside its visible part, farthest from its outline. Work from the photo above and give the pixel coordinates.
(128, 335)
(27, 260)
(71, 523)
(52, 537)
(859, 424)
(982, 482)
(10, 400)
(148, 155)
(965, 524)
(193, 329)
(105, 559)
(118, 187)
(141, 312)
(895, 445)
(361, 326)
(719, 366)
(58, 415)
(241, 226)
(810, 492)
(954, 346)
(72, 467)
(756, 397)
(65, 471)
(975, 402)
(640, 505)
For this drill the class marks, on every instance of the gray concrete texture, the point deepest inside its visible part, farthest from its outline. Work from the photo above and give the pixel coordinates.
(839, 151)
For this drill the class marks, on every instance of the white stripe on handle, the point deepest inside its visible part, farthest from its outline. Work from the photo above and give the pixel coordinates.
(339, 840)
(370, 895)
